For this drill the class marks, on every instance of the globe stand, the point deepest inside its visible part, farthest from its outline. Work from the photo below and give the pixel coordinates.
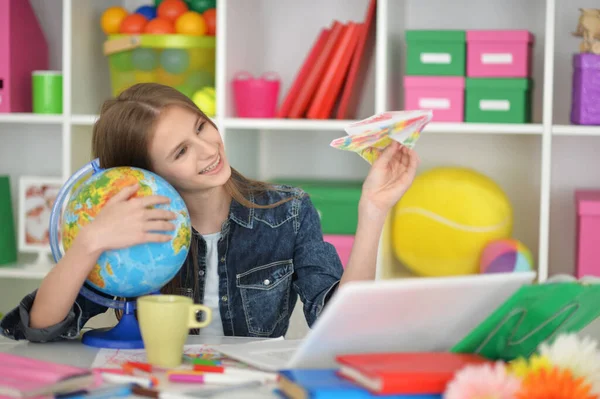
(125, 335)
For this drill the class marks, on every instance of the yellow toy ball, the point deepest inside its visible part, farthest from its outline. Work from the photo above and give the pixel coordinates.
(443, 222)
(205, 100)
(111, 19)
(190, 23)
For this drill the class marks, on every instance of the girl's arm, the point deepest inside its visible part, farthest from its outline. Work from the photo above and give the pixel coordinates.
(389, 178)
(123, 222)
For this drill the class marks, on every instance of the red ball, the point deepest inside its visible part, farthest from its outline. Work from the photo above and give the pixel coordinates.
(171, 9)
(210, 17)
(160, 26)
(133, 24)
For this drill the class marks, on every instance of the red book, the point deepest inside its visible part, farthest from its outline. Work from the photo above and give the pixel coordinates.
(405, 373)
(355, 78)
(302, 76)
(315, 75)
(327, 93)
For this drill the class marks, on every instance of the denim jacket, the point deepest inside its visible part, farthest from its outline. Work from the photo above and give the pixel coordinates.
(267, 258)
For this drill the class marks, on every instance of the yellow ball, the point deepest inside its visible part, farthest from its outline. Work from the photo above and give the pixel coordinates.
(111, 19)
(190, 23)
(446, 218)
(205, 100)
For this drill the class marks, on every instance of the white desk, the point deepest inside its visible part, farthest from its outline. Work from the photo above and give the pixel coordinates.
(77, 354)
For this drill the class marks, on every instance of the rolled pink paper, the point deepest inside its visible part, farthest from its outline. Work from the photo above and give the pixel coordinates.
(195, 378)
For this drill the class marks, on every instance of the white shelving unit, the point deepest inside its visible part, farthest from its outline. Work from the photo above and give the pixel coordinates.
(534, 163)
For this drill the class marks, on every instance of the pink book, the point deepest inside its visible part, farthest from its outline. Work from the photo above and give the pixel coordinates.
(23, 377)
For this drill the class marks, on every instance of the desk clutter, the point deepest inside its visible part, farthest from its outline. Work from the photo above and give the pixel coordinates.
(482, 76)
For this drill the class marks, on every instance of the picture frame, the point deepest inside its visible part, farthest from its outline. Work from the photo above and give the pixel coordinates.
(36, 199)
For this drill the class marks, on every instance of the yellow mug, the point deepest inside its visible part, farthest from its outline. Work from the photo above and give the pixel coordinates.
(165, 321)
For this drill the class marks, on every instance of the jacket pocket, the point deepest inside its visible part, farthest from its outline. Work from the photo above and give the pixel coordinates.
(265, 292)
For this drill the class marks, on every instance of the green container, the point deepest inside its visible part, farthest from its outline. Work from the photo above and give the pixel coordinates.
(335, 201)
(436, 52)
(498, 100)
(47, 92)
(8, 241)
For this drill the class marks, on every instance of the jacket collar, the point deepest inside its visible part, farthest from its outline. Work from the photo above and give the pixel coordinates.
(242, 215)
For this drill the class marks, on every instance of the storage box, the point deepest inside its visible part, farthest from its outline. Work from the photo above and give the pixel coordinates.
(587, 233)
(443, 94)
(335, 201)
(435, 52)
(503, 100)
(499, 53)
(343, 245)
(585, 92)
(185, 62)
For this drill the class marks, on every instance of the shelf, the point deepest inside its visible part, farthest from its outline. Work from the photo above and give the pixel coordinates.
(286, 124)
(484, 128)
(575, 130)
(30, 118)
(83, 120)
(23, 272)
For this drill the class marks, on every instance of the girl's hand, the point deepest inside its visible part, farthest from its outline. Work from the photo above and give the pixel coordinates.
(389, 178)
(126, 221)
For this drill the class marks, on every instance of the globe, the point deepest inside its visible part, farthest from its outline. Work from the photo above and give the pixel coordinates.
(140, 269)
(119, 275)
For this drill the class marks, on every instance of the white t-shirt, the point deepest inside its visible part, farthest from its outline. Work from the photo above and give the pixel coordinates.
(211, 287)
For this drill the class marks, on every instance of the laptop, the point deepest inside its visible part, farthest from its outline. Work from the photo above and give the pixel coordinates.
(400, 315)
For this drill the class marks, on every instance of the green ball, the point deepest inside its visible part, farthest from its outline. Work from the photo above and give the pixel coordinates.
(144, 59)
(199, 79)
(175, 60)
(201, 5)
(121, 61)
(186, 90)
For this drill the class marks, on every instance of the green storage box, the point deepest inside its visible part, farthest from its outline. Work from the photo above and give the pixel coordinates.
(498, 100)
(436, 52)
(336, 202)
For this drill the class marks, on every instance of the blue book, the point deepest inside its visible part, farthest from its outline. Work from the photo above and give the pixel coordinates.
(326, 384)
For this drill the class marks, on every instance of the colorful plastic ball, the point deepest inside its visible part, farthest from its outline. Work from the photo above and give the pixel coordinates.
(186, 90)
(199, 79)
(175, 60)
(169, 79)
(160, 26)
(121, 61)
(133, 24)
(210, 17)
(144, 59)
(505, 256)
(171, 9)
(190, 23)
(147, 11)
(205, 100)
(111, 19)
(145, 76)
(201, 5)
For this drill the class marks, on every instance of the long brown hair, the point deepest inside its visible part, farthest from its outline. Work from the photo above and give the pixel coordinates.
(122, 134)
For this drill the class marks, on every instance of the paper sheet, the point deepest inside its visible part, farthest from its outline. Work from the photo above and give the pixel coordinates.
(114, 358)
(371, 136)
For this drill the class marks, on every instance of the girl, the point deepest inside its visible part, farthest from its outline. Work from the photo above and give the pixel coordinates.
(255, 246)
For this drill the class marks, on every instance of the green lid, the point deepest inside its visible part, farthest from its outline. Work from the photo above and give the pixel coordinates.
(444, 35)
(171, 41)
(498, 83)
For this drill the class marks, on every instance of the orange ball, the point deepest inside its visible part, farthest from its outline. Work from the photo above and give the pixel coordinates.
(190, 23)
(159, 26)
(171, 9)
(133, 24)
(210, 17)
(111, 19)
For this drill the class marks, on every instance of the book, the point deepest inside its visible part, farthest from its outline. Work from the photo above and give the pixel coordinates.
(532, 315)
(24, 377)
(303, 73)
(326, 384)
(405, 373)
